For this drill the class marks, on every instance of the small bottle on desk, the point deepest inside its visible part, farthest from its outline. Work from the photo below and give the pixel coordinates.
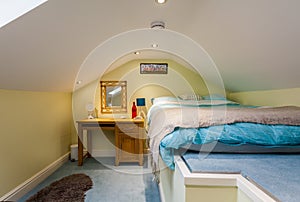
(133, 110)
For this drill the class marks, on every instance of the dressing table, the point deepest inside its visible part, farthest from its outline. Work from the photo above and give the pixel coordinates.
(129, 137)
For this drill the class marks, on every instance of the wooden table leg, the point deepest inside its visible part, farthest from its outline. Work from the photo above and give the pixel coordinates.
(80, 146)
(117, 142)
(141, 145)
(141, 152)
(89, 143)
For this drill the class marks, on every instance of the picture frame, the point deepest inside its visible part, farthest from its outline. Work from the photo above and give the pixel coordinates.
(153, 68)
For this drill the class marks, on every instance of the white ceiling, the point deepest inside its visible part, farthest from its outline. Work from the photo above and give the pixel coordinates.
(254, 43)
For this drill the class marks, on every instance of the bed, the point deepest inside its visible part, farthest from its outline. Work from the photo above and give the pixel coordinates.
(205, 124)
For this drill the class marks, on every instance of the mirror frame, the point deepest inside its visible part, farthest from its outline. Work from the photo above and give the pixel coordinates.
(117, 109)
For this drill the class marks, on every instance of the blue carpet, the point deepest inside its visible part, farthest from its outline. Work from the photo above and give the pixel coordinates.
(278, 174)
(109, 184)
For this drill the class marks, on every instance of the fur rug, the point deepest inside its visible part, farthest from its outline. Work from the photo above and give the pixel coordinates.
(70, 188)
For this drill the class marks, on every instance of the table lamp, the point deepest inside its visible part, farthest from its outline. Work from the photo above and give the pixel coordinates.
(90, 108)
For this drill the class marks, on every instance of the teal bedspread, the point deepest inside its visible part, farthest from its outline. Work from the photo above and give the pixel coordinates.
(233, 134)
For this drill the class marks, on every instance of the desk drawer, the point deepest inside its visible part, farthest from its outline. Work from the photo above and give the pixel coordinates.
(128, 128)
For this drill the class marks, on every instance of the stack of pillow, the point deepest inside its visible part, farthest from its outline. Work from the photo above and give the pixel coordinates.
(188, 97)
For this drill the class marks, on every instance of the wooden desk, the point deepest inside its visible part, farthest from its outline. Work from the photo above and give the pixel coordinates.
(129, 137)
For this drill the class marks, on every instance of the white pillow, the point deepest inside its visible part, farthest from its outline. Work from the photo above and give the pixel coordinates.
(163, 99)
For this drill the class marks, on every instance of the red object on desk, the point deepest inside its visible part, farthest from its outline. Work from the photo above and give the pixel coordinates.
(133, 110)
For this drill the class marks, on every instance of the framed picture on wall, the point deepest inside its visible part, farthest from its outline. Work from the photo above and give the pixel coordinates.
(154, 68)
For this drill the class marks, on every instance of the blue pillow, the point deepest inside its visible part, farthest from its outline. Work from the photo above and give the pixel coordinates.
(214, 97)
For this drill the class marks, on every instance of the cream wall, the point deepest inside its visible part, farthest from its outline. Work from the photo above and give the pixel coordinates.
(35, 131)
(268, 98)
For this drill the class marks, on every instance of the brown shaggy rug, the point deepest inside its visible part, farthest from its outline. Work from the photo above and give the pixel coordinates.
(70, 188)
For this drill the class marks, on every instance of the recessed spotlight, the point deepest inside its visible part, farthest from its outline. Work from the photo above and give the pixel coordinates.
(137, 52)
(161, 1)
(79, 82)
(154, 45)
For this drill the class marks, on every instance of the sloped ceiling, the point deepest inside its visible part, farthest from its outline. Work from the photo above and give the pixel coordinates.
(254, 43)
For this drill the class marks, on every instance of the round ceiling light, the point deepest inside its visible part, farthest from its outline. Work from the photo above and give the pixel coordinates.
(161, 1)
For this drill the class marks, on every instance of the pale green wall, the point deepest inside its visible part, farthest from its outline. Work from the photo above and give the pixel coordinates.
(179, 80)
(268, 98)
(35, 131)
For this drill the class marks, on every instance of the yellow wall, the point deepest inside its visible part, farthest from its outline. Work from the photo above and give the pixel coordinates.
(211, 193)
(81, 98)
(35, 131)
(268, 98)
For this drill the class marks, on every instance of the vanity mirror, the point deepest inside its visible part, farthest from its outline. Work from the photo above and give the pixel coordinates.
(113, 96)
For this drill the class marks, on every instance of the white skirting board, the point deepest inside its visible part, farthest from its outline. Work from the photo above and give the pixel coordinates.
(29, 184)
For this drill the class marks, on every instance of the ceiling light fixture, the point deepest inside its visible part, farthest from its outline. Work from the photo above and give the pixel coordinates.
(137, 52)
(157, 25)
(154, 45)
(160, 1)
